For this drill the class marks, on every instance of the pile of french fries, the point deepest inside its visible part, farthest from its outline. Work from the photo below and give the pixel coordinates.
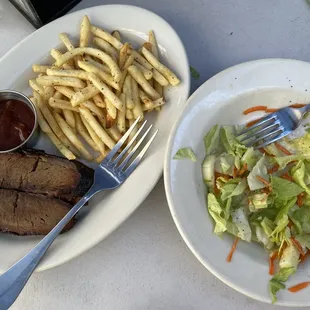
(92, 93)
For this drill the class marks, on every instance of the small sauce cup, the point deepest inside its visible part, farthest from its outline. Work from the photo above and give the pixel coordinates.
(18, 121)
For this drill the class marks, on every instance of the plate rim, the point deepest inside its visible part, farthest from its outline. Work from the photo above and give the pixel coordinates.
(169, 195)
(151, 185)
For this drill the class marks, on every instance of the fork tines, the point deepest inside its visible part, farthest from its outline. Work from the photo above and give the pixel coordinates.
(262, 133)
(127, 153)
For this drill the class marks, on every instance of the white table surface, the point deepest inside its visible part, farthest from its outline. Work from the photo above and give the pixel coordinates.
(145, 264)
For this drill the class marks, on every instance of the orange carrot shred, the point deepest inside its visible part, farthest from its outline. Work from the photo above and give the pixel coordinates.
(232, 250)
(303, 258)
(255, 109)
(235, 172)
(297, 105)
(271, 262)
(287, 177)
(270, 110)
(259, 178)
(273, 169)
(300, 200)
(282, 149)
(264, 151)
(249, 124)
(298, 246)
(298, 287)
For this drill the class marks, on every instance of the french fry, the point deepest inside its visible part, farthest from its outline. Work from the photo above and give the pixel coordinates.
(58, 94)
(160, 90)
(137, 110)
(84, 133)
(40, 68)
(55, 53)
(69, 117)
(57, 80)
(129, 114)
(111, 109)
(64, 90)
(123, 55)
(148, 46)
(138, 76)
(105, 90)
(153, 41)
(101, 133)
(101, 157)
(127, 90)
(153, 105)
(84, 94)
(140, 59)
(91, 61)
(104, 57)
(107, 37)
(48, 92)
(54, 125)
(80, 74)
(132, 134)
(99, 101)
(106, 77)
(121, 116)
(167, 73)
(114, 133)
(94, 136)
(159, 78)
(148, 74)
(116, 35)
(128, 63)
(93, 107)
(62, 104)
(66, 41)
(37, 87)
(106, 47)
(48, 131)
(84, 31)
(67, 130)
(144, 98)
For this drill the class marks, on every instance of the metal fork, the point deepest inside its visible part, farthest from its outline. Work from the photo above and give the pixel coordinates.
(110, 174)
(273, 127)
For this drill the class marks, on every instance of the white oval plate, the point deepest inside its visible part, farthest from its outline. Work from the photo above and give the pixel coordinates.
(105, 212)
(221, 100)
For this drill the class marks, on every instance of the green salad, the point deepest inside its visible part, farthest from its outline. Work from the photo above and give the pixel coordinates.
(260, 196)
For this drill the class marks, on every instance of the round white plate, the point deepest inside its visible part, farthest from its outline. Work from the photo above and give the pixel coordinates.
(221, 100)
(107, 211)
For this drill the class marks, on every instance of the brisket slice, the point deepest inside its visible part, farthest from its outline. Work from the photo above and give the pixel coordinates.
(34, 171)
(30, 214)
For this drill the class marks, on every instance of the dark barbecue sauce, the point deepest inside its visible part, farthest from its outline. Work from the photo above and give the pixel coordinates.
(16, 123)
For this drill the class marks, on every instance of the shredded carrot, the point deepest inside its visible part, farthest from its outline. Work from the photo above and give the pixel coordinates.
(282, 149)
(303, 258)
(300, 200)
(259, 178)
(272, 258)
(264, 151)
(232, 250)
(270, 110)
(287, 177)
(243, 169)
(298, 287)
(219, 175)
(297, 105)
(255, 109)
(265, 190)
(298, 246)
(249, 124)
(290, 224)
(273, 169)
(235, 172)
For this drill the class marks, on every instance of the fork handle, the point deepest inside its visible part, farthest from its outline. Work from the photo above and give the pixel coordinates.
(14, 279)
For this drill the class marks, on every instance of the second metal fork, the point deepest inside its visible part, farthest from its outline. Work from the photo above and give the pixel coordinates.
(110, 174)
(273, 127)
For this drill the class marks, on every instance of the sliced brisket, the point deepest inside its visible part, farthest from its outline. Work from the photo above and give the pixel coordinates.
(30, 214)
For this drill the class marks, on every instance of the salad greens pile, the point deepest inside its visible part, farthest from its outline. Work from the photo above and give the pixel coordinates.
(260, 196)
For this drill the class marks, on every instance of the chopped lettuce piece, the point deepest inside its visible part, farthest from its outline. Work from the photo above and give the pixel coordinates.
(284, 206)
(212, 141)
(185, 153)
(283, 161)
(240, 219)
(258, 170)
(298, 174)
(217, 214)
(208, 170)
(258, 201)
(290, 257)
(229, 141)
(276, 283)
(225, 164)
(268, 226)
(231, 189)
(273, 150)
(251, 157)
(304, 240)
(301, 218)
(284, 189)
